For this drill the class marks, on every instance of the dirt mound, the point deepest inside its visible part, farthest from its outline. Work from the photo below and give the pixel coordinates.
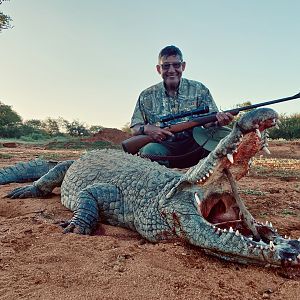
(112, 135)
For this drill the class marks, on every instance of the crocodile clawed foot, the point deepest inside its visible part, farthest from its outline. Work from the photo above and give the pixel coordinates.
(71, 227)
(28, 191)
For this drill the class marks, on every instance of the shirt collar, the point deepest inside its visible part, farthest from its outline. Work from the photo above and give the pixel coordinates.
(179, 89)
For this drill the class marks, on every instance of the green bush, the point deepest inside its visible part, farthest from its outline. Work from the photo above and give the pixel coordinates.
(289, 128)
(35, 136)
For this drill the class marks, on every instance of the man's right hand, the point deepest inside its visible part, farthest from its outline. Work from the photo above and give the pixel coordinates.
(156, 133)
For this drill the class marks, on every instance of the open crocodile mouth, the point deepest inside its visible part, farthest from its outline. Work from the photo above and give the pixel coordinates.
(265, 246)
(221, 205)
(222, 211)
(231, 229)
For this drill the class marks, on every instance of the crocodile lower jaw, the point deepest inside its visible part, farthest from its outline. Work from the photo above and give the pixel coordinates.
(222, 214)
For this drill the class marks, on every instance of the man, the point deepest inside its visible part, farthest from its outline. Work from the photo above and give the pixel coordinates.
(171, 96)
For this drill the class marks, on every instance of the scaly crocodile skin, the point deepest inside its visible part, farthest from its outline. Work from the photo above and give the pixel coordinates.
(202, 206)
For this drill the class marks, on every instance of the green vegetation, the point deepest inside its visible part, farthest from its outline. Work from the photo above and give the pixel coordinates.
(289, 128)
(5, 156)
(253, 192)
(12, 127)
(288, 212)
(275, 172)
(4, 19)
(40, 132)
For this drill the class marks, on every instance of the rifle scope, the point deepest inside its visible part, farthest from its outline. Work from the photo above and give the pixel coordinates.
(198, 111)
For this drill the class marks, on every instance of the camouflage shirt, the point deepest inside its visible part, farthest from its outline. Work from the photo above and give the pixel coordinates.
(154, 102)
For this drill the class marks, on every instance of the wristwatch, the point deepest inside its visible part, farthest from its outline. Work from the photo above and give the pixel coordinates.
(141, 130)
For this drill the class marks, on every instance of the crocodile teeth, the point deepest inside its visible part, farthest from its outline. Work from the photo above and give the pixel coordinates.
(266, 150)
(298, 256)
(237, 233)
(211, 171)
(230, 157)
(267, 223)
(258, 133)
(207, 175)
(272, 246)
(278, 122)
(230, 229)
(299, 239)
(271, 225)
(197, 199)
(276, 126)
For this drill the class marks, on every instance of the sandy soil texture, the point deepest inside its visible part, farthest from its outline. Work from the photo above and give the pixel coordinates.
(37, 261)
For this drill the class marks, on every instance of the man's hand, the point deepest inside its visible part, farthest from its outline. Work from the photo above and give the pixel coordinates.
(156, 133)
(224, 118)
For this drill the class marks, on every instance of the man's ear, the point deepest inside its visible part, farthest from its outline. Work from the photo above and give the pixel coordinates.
(158, 69)
(183, 66)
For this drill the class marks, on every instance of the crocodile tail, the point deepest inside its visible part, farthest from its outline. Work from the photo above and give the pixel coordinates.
(26, 171)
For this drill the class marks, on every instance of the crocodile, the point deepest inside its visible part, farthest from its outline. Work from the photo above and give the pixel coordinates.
(201, 206)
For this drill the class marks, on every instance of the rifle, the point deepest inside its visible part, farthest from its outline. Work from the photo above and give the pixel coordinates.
(133, 144)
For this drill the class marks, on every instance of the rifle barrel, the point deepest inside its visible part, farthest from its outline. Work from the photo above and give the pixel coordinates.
(266, 103)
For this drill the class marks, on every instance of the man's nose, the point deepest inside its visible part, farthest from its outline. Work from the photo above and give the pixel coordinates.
(171, 68)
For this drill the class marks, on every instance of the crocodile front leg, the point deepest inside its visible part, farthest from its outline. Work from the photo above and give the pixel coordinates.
(45, 185)
(97, 201)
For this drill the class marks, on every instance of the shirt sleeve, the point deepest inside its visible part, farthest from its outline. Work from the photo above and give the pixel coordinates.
(210, 102)
(138, 116)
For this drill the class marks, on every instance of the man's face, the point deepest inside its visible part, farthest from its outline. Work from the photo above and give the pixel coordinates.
(170, 68)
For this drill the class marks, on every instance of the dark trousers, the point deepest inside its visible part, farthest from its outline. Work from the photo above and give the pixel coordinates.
(176, 148)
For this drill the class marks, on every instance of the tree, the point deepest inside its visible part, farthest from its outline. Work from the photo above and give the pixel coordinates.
(4, 20)
(289, 128)
(51, 126)
(10, 122)
(34, 123)
(75, 128)
(8, 116)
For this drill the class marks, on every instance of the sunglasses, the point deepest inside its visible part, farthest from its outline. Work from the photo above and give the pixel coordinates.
(175, 65)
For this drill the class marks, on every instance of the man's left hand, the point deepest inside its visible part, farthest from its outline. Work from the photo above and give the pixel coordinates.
(224, 118)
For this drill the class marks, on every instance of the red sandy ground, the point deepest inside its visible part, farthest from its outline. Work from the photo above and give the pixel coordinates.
(37, 261)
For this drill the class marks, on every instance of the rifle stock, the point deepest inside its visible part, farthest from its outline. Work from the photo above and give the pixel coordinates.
(135, 143)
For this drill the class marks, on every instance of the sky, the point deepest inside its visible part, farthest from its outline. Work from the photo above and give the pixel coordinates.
(90, 60)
